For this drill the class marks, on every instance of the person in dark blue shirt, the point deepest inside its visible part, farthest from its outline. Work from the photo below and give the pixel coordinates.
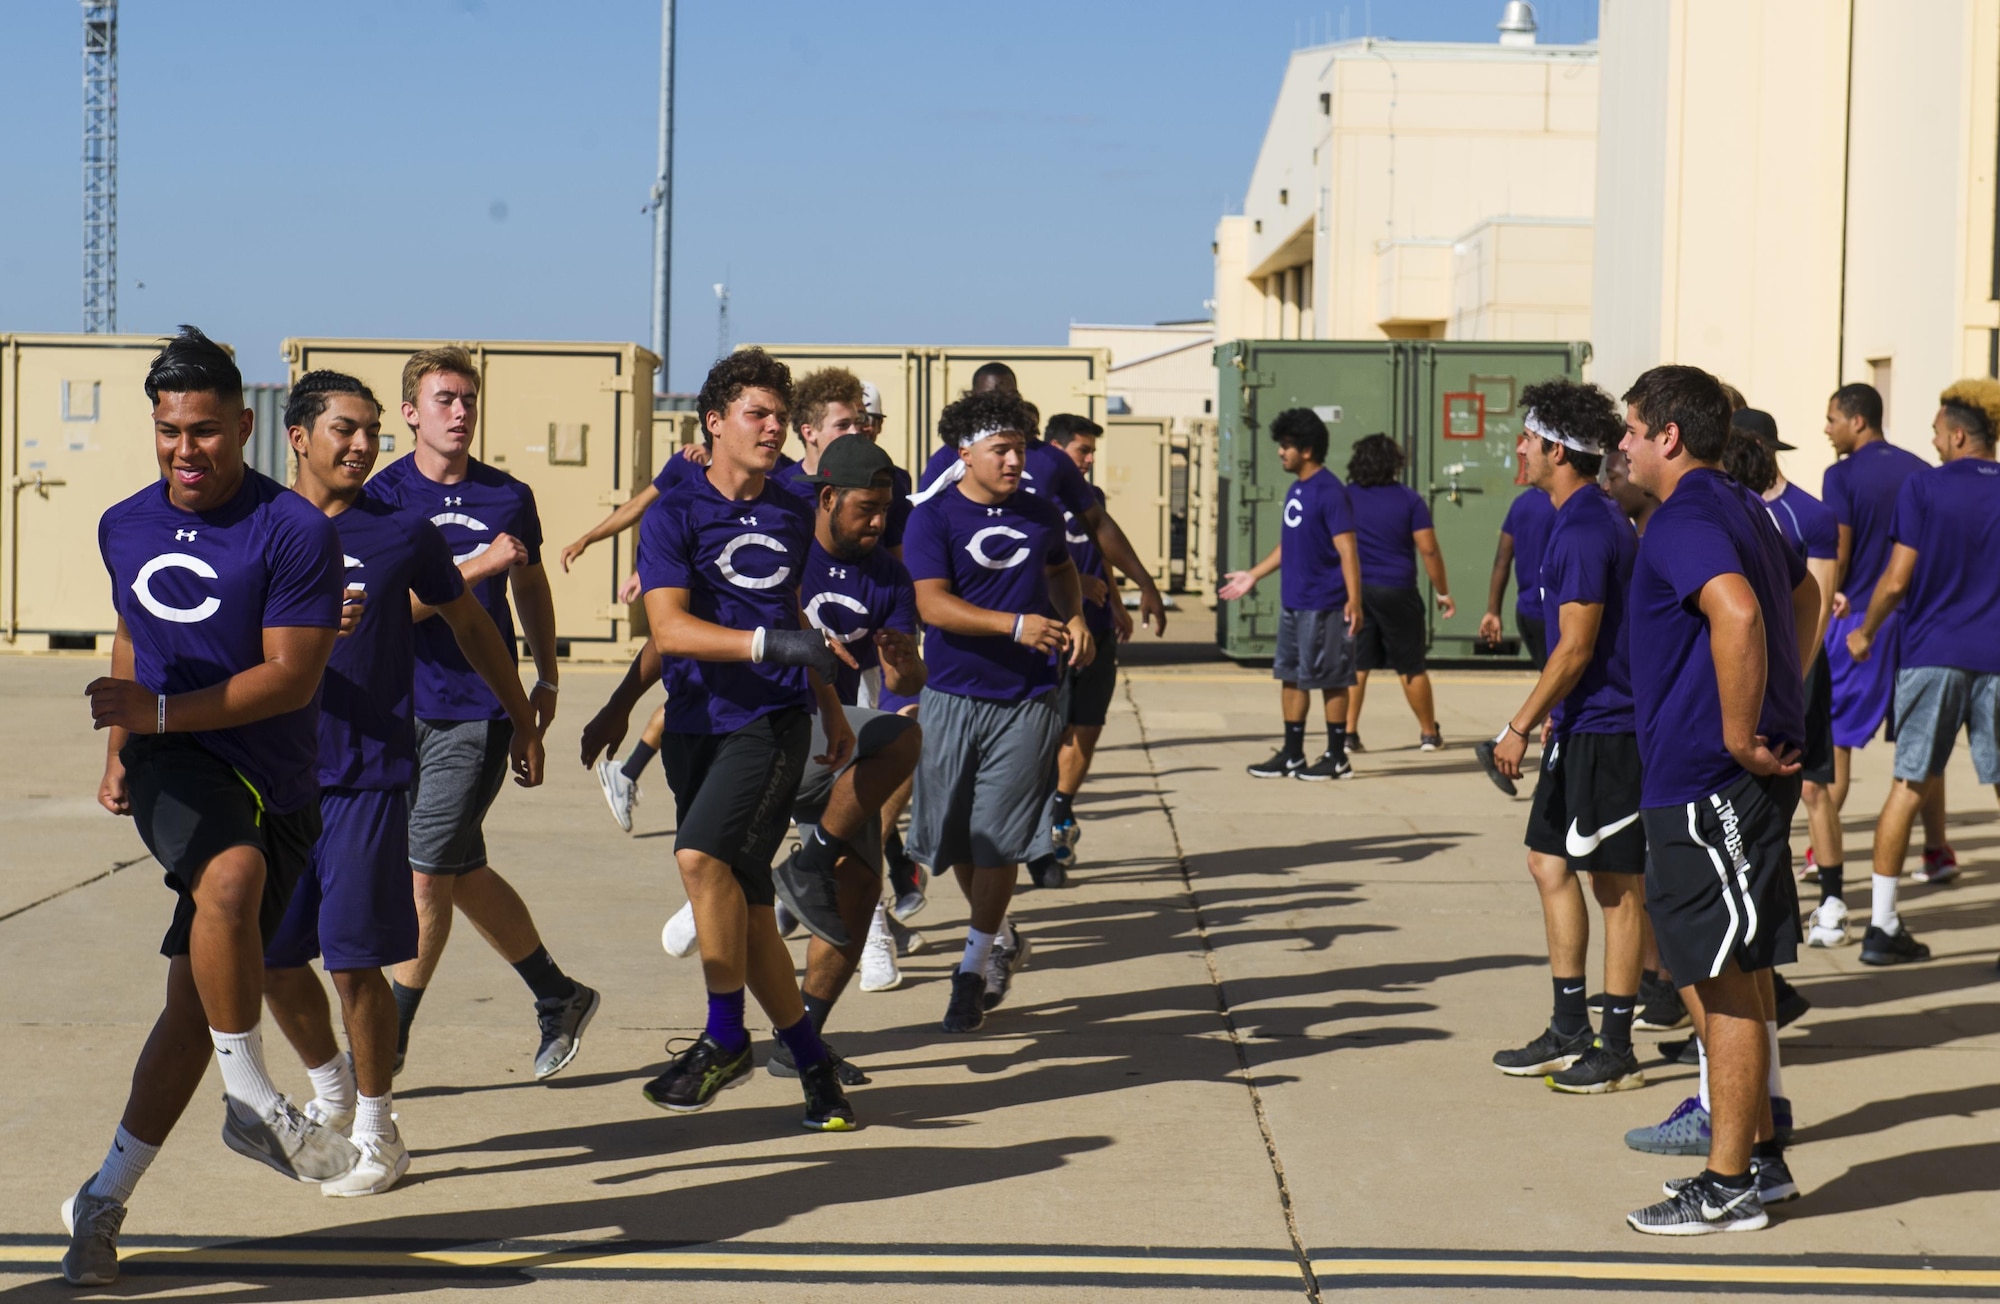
(1529, 518)
(1392, 529)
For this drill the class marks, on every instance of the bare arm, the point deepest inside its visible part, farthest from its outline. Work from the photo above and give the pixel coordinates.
(939, 606)
(1889, 593)
(678, 632)
(621, 519)
(1825, 572)
(1066, 593)
(1736, 643)
(1496, 588)
(1578, 624)
(1844, 557)
(1433, 556)
(1237, 583)
(1806, 607)
(112, 793)
(487, 653)
(536, 608)
(606, 730)
(285, 680)
(505, 551)
(1118, 550)
(1350, 571)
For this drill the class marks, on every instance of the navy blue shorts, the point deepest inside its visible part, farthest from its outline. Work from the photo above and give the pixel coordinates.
(354, 907)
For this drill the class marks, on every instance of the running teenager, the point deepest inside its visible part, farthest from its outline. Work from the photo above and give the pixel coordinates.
(1320, 613)
(464, 733)
(1585, 816)
(227, 588)
(1000, 597)
(721, 565)
(1940, 578)
(1522, 534)
(354, 910)
(1392, 528)
(1721, 612)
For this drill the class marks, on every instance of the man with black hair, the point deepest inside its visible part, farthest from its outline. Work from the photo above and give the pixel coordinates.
(228, 592)
(1946, 530)
(354, 909)
(1721, 617)
(1523, 533)
(1320, 600)
(1585, 816)
(721, 566)
(1000, 595)
(1392, 528)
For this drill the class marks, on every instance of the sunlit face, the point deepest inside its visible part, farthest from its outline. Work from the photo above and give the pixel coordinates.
(1647, 451)
(340, 449)
(1082, 450)
(1842, 430)
(994, 463)
(1538, 463)
(751, 432)
(1292, 457)
(871, 426)
(838, 421)
(198, 437)
(445, 416)
(1631, 499)
(856, 518)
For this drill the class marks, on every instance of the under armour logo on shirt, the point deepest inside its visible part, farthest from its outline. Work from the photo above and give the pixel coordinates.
(993, 511)
(183, 536)
(746, 520)
(454, 502)
(837, 572)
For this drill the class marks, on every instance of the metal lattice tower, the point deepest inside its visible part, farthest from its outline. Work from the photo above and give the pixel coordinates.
(100, 166)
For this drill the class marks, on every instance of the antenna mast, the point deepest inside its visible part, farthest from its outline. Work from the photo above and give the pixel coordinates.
(100, 166)
(721, 320)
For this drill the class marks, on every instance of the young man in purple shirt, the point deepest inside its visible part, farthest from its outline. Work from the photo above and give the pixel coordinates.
(1721, 615)
(464, 733)
(996, 587)
(227, 588)
(1392, 528)
(1522, 534)
(1940, 577)
(354, 909)
(1319, 613)
(1585, 817)
(721, 565)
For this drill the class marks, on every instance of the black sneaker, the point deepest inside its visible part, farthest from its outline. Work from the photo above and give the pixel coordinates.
(1281, 766)
(780, 1065)
(967, 1010)
(1047, 871)
(1545, 1054)
(1774, 1181)
(1878, 947)
(811, 899)
(1680, 1052)
(563, 1020)
(1001, 963)
(1598, 1070)
(697, 1074)
(1660, 1007)
(1483, 753)
(1792, 1003)
(827, 1109)
(1354, 743)
(1431, 742)
(1699, 1206)
(1328, 766)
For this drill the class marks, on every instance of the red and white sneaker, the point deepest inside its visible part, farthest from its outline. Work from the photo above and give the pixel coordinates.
(1940, 866)
(1809, 869)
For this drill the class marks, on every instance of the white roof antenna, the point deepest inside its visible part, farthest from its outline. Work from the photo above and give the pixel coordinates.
(1517, 24)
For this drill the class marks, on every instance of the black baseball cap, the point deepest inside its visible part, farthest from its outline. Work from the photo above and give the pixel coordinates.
(1759, 425)
(851, 462)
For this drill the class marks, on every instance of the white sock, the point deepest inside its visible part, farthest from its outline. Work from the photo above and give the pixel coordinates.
(978, 946)
(1775, 1079)
(124, 1164)
(240, 1056)
(1704, 1071)
(333, 1085)
(372, 1116)
(1006, 935)
(1885, 916)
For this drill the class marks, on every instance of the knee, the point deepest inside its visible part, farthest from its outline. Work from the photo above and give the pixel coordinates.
(354, 985)
(230, 888)
(903, 754)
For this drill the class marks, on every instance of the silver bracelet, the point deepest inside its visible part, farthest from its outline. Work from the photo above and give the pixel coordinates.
(543, 683)
(160, 725)
(1019, 621)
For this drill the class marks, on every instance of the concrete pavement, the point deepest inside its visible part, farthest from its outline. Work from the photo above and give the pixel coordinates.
(1250, 1056)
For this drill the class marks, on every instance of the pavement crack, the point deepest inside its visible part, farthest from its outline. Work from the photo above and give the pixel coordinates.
(94, 878)
(1236, 1039)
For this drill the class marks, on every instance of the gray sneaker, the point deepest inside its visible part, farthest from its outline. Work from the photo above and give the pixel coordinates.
(810, 897)
(563, 1023)
(92, 1222)
(288, 1141)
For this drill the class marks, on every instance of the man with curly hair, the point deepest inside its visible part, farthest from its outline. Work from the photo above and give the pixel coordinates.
(1945, 531)
(1392, 528)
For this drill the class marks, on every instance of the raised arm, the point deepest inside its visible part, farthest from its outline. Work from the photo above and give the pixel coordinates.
(621, 519)
(1237, 583)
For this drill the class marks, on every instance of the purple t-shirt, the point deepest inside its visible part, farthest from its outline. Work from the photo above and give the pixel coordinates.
(1386, 519)
(851, 600)
(996, 557)
(793, 479)
(741, 563)
(197, 591)
(1806, 524)
(678, 470)
(367, 730)
(1530, 517)
(1089, 560)
(1588, 558)
(486, 503)
(1316, 508)
(1710, 526)
(1860, 490)
(1046, 472)
(1951, 515)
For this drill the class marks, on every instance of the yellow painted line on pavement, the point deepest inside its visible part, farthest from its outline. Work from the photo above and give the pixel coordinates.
(1690, 1272)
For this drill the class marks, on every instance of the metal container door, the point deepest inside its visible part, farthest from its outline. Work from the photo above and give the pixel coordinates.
(1054, 380)
(897, 372)
(1135, 470)
(376, 364)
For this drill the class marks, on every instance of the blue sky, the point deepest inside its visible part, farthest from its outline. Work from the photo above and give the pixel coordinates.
(874, 171)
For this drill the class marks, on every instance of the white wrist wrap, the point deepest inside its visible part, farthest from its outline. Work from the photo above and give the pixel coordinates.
(757, 645)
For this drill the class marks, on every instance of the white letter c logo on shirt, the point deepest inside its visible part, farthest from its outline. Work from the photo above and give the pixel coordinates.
(976, 545)
(726, 563)
(838, 600)
(141, 588)
(1295, 513)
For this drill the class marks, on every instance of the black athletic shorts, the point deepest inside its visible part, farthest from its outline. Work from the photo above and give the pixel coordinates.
(1586, 806)
(190, 806)
(1816, 765)
(1092, 688)
(1392, 633)
(1535, 635)
(733, 793)
(1720, 884)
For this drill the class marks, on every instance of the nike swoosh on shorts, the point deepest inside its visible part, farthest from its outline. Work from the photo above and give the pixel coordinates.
(1582, 844)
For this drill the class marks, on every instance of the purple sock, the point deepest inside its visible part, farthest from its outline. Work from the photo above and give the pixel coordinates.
(803, 1042)
(725, 1021)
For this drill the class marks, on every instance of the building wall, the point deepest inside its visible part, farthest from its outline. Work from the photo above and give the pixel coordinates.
(1522, 279)
(1159, 371)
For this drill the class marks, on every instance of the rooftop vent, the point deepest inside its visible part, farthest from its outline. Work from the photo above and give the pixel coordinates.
(1517, 24)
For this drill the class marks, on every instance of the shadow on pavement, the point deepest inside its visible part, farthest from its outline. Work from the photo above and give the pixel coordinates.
(1898, 1179)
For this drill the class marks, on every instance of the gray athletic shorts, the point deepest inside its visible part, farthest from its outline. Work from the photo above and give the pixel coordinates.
(873, 732)
(460, 767)
(978, 793)
(1314, 650)
(1932, 704)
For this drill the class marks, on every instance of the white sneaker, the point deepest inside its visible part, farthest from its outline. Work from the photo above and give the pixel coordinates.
(384, 1160)
(878, 956)
(620, 793)
(334, 1120)
(1828, 924)
(288, 1141)
(678, 937)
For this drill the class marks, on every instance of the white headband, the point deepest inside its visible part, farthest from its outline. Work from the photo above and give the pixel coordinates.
(955, 471)
(986, 432)
(1541, 431)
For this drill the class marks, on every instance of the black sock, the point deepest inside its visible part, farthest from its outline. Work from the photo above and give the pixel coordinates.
(1616, 1026)
(817, 1009)
(818, 852)
(1295, 740)
(1572, 1014)
(1336, 739)
(1648, 978)
(544, 978)
(1735, 1183)
(407, 1001)
(1063, 803)
(892, 844)
(635, 764)
(1767, 1150)
(1832, 880)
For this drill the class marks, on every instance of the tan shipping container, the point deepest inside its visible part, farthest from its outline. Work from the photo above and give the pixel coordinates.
(1157, 476)
(573, 421)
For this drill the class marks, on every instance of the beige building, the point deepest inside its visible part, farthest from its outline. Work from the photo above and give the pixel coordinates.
(1800, 193)
(1164, 370)
(1420, 190)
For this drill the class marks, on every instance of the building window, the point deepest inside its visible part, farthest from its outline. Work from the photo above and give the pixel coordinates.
(1284, 196)
(1326, 103)
(1879, 375)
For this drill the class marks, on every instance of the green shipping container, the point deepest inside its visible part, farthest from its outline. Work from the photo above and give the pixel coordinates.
(1454, 406)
